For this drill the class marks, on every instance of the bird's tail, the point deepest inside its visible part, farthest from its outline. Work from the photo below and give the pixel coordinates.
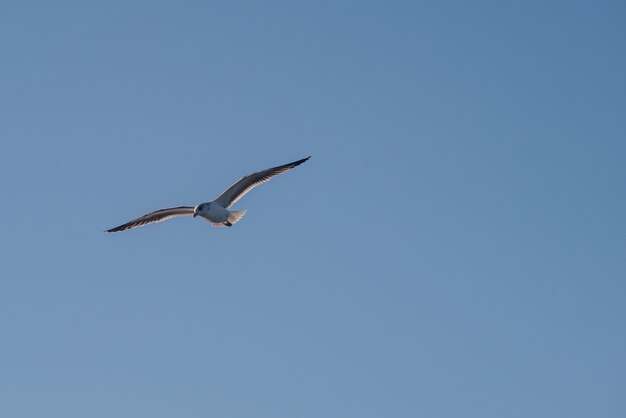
(234, 216)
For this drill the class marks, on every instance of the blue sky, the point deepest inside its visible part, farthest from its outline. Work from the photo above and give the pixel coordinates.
(454, 247)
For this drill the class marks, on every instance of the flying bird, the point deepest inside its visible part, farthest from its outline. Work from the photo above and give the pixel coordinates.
(216, 211)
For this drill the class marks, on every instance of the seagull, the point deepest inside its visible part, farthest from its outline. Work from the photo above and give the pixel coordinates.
(216, 211)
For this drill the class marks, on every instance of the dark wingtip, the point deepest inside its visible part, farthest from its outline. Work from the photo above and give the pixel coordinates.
(117, 229)
(295, 163)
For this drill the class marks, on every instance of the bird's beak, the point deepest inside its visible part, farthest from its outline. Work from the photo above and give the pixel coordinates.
(195, 214)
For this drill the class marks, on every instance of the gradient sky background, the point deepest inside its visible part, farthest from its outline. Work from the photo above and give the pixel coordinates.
(455, 247)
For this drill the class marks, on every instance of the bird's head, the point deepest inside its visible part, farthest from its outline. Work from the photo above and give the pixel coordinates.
(200, 209)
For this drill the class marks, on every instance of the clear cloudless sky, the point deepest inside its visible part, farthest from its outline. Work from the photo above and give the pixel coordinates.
(455, 247)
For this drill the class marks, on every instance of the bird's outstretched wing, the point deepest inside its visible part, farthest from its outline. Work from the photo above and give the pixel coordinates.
(249, 182)
(156, 216)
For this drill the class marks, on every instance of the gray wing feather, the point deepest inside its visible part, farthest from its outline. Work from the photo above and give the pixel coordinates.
(156, 216)
(249, 182)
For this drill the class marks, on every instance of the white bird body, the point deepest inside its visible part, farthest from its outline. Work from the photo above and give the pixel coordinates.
(217, 215)
(212, 212)
(215, 211)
